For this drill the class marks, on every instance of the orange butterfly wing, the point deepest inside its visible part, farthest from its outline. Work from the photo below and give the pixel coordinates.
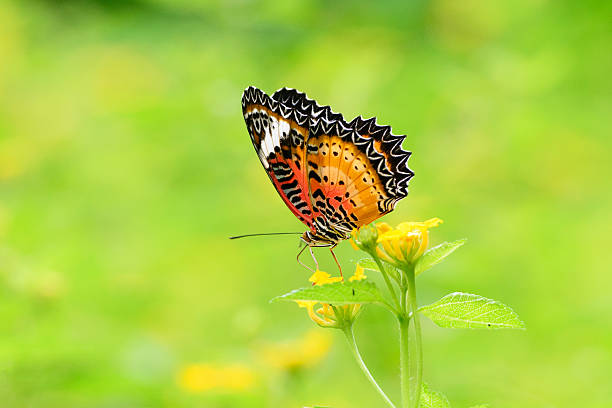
(357, 172)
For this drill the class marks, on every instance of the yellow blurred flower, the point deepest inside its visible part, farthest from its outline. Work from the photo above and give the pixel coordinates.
(405, 243)
(292, 355)
(202, 377)
(327, 315)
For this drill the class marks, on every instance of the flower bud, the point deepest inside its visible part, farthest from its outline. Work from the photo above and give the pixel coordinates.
(406, 243)
(365, 238)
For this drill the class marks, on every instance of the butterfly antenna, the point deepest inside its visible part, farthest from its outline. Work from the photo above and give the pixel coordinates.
(266, 233)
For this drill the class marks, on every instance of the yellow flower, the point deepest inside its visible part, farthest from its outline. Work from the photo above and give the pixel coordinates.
(202, 377)
(406, 243)
(327, 315)
(295, 354)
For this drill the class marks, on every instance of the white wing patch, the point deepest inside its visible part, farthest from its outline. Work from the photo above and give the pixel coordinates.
(272, 131)
(284, 129)
(269, 133)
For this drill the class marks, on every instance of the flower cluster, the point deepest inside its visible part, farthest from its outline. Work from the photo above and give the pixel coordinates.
(327, 315)
(402, 245)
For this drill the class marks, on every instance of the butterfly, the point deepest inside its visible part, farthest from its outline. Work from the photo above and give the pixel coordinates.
(333, 175)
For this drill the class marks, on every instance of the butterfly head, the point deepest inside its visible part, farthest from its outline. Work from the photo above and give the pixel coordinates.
(328, 238)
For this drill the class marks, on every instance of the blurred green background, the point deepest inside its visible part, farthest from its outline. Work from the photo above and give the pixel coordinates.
(125, 165)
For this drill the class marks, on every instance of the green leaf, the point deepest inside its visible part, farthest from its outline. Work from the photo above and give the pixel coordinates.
(436, 255)
(481, 406)
(337, 293)
(368, 264)
(464, 310)
(432, 399)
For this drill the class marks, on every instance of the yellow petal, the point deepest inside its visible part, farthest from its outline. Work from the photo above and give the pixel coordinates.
(383, 255)
(408, 227)
(433, 222)
(388, 247)
(324, 315)
(321, 278)
(390, 236)
(358, 275)
(327, 311)
(314, 315)
(306, 303)
(398, 251)
(424, 241)
(383, 227)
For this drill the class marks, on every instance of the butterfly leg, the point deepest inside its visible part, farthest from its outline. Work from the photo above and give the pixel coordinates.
(300, 262)
(331, 249)
(313, 257)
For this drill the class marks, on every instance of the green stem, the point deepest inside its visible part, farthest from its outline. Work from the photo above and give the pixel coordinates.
(350, 336)
(404, 361)
(386, 277)
(418, 338)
